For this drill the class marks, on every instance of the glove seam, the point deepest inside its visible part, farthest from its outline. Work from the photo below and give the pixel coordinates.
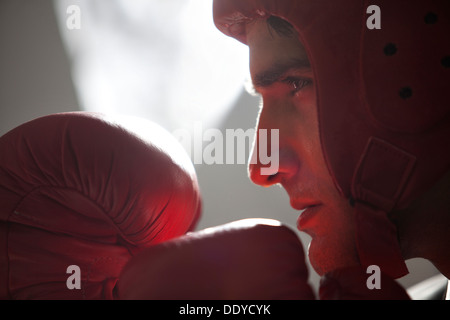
(40, 223)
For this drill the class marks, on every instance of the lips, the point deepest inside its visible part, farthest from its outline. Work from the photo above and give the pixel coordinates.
(309, 209)
(306, 218)
(304, 204)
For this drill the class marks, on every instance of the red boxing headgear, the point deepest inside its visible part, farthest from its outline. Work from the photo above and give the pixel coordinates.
(382, 99)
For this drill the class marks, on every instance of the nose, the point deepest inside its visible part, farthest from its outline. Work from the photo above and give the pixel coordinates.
(287, 168)
(272, 158)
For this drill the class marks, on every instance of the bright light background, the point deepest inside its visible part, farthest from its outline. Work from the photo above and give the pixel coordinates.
(160, 59)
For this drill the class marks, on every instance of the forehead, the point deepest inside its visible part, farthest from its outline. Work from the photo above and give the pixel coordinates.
(267, 47)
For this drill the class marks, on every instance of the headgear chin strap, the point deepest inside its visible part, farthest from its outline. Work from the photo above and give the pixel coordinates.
(379, 180)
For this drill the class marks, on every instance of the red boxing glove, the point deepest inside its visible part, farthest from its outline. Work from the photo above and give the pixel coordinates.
(87, 191)
(356, 283)
(244, 260)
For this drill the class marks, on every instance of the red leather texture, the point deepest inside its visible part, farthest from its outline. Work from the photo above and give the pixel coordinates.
(89, 190)
(242, 260)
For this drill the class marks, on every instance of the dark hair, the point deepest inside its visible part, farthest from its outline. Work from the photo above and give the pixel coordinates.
(281, 26)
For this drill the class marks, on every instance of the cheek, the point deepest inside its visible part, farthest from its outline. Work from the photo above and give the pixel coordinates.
(307, 130)
(306, 107)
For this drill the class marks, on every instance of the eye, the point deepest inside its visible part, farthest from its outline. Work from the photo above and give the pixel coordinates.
(297, 83)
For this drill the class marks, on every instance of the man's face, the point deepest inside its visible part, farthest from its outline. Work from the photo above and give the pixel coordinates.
(282, 74)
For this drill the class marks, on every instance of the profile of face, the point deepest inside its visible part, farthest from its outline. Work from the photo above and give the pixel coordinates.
(281, 73)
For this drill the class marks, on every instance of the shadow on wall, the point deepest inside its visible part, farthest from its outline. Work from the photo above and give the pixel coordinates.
(35, 77)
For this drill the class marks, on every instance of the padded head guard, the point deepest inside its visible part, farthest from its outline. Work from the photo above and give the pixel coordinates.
(382, 99)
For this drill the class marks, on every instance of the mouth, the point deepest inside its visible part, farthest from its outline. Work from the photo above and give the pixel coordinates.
(309, 210)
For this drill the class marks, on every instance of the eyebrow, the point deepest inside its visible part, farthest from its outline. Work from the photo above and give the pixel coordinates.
(276, 72)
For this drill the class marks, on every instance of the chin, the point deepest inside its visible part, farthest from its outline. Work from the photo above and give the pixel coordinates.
(320, 264)
(326, 256)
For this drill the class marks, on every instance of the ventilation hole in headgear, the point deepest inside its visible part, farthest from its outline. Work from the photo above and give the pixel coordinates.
(405, 92)
(430, 18)
(446, 61)
(390, 49)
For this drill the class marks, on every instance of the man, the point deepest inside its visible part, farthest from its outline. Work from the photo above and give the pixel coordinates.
(364, 123)
(363, 119)
(286, 84)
